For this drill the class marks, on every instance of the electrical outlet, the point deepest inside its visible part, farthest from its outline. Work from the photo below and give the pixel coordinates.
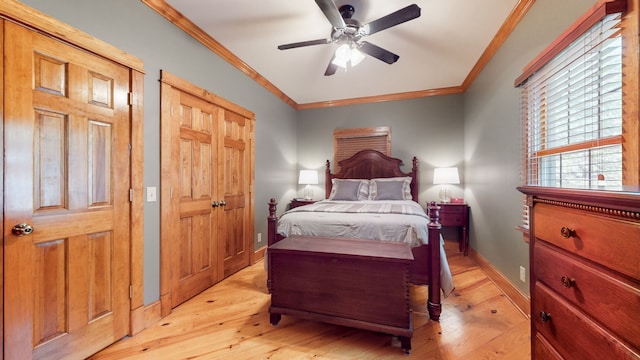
(522, 274)
(259, 237)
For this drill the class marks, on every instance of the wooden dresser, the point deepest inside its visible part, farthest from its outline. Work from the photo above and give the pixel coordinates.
(585, 273)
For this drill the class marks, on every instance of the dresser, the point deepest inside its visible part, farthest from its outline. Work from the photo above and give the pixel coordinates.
(584, 273)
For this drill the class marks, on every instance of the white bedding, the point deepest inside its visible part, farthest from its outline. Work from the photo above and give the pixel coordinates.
(391, 220)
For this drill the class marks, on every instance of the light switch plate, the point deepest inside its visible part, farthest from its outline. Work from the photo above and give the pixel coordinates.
(151, 194)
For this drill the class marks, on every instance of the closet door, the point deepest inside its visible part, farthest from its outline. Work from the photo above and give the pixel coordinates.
(193, 245)
(235, 182)
(207, 177)
(66, 266)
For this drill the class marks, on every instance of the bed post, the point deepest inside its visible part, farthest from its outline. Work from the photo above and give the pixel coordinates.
(327, 180)
(272, 223)
(434, 304)
(414, 180)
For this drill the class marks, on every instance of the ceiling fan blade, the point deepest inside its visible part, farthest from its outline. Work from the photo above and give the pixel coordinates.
(304, 43)
(331, 13)
(378, 52)
(403, 15)
(331, 69)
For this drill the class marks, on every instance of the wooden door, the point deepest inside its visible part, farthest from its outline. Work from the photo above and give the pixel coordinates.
(207, 177)
(193, 248)
(235, 181)
(66, 135)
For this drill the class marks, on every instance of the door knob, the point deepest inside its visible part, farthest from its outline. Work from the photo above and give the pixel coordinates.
(223, 203)
(215, 204)
(22, 229)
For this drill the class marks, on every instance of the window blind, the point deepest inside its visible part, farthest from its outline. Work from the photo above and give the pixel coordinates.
(347, 142)
(572, 114)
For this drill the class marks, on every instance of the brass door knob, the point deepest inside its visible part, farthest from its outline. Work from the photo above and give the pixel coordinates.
(22, 229)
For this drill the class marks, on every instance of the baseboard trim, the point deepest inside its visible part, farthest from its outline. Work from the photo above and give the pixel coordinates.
(258, 255)
(520, 300)
(152, 313)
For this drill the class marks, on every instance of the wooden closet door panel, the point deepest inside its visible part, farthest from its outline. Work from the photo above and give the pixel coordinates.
(67, 176)
(235, 184)
(194, 252)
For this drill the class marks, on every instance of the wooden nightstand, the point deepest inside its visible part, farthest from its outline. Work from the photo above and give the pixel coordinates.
(454, 214)
(299, 202)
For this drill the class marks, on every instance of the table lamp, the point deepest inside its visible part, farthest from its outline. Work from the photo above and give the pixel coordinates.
(445, 177)
(308, 178)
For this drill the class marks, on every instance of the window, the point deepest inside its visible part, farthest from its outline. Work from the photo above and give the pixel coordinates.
(347, 142)
(572, 112)
(572, 107)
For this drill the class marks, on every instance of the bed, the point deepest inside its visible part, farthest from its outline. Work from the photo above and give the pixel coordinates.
(372, 198)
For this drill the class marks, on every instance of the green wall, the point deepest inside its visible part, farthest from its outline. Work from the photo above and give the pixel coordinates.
(429, 128)
(492, 137)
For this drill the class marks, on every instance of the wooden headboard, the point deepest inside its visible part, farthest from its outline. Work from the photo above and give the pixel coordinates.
(372, 164)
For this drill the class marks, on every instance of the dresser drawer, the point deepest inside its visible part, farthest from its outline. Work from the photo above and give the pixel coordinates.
(453, 215)
(544, 350)
(613, 302)
(453, 209)
(571, 333)
(599, 238)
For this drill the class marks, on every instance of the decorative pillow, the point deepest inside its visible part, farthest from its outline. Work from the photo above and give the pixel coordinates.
(398, 188)
(349, 189)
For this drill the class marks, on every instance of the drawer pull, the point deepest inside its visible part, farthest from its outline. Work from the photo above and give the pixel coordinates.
(545, 316)
(567, 281)
(567, 232)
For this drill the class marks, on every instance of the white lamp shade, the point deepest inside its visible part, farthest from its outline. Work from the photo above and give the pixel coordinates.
(308, 177)
(448, 175)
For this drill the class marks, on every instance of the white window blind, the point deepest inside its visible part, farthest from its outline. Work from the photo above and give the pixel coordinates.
(572, 114)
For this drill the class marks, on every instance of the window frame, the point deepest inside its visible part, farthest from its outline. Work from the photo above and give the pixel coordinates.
(630, 124)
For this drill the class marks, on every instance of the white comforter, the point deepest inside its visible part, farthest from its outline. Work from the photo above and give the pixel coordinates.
(397, 220)
(394, 220)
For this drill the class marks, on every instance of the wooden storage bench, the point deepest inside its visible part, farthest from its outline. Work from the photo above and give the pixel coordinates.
(350, 282)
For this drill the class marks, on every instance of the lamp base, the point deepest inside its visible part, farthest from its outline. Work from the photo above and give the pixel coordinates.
(308, 192)
(445, 194)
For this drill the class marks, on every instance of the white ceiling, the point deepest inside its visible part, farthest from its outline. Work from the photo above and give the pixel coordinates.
(437, 50)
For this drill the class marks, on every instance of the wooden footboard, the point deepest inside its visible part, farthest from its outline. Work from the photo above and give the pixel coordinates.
(425, 269)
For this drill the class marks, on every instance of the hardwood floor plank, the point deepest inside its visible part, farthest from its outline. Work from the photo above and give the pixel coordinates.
(231, 321)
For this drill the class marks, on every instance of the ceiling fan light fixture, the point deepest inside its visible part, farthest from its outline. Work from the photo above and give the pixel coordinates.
(342, 56)
(356, 56)
(348, 32)
(347, 55)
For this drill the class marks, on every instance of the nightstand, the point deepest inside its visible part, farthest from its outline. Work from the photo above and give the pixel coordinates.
(454, 214)
(299, 202)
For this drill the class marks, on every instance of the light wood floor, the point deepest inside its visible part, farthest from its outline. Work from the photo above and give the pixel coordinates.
(231, 321)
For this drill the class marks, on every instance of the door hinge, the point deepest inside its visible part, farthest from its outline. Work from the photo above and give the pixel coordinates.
(130, 195)
(171, 193)
(130, 98)
(130, 291)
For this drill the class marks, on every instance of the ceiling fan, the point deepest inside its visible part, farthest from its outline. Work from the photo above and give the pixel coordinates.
(348, 33)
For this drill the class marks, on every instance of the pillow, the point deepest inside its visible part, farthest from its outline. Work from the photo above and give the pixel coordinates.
(349, 189)
(398, 188)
